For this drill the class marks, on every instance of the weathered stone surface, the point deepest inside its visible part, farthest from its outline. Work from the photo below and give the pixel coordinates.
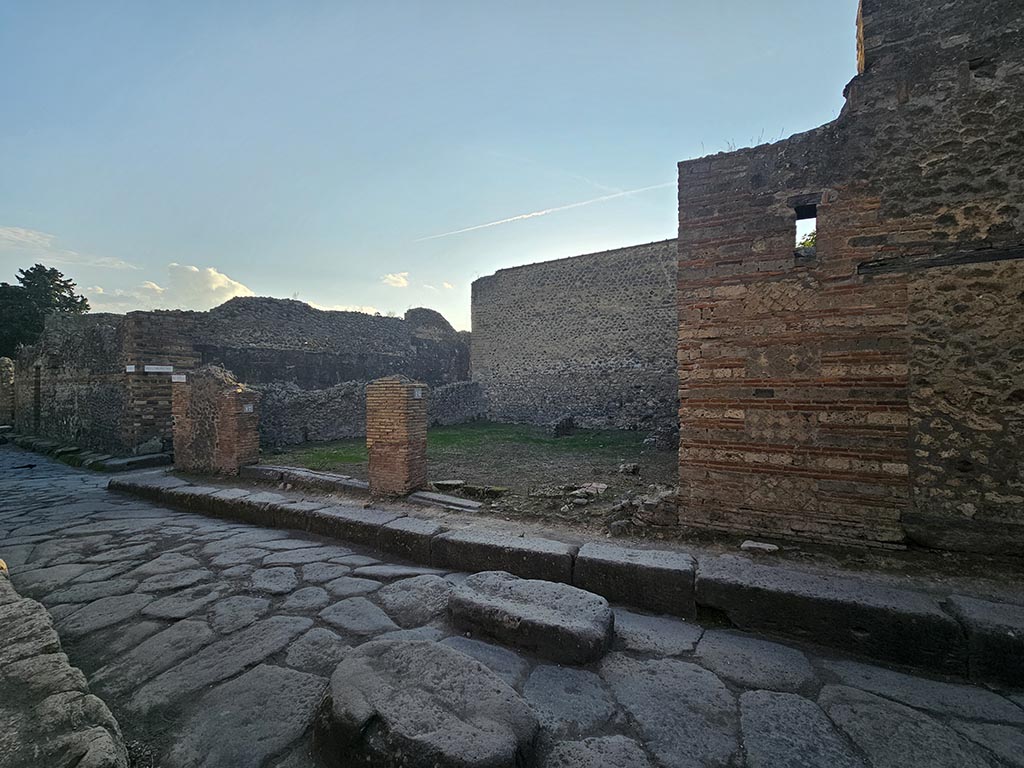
(355, 561)
(529, 558)
(358, 616)
(87, 592)
(304, 556)
(318, 651)
(101, 613)
(223, 659)
(152, 656)
(1006, 742)
(415, 601)
(394, 572)
(186, 602)
(361, 526)
(243, 722)
(169, 562)
(428, 705)
(946, 699)
(751, 662)
(656, 580)
(122, 553)
(43, 580)
(569, 702)
(866, 617)
(555, 621)
(654, 634)
(995, 634)
(782, 730)
(319, 573)
(409, 538)
(895, 736)
(427, 634)
(686, 715)
(350, 586)
(307, 599)
(179, 580)
(233, 613)
(239, 556)
(274, 581)
(506, 664)
(599, 752)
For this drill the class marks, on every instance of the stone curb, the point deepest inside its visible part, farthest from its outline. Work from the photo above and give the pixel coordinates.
(960, 636)
(80, 457)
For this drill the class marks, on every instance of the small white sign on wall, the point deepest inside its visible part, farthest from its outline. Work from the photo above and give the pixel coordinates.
(157, 368)
(247, 408)
(417, 393)
(129, 369)
(178, 377)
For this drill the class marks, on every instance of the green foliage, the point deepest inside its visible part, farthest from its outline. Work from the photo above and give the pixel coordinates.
(810, 240)
(41, 291)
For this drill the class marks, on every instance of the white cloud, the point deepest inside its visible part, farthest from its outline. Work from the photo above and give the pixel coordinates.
(448, 286)
(187, 287)
(36, 246)
(430, 287)
(396, 279)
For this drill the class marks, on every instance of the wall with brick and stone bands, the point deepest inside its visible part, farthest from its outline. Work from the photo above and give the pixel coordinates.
(6, 391)
(592, 337)
(827, 395)
(216, 423)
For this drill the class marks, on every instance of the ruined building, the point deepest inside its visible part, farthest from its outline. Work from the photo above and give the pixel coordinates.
(872, 389)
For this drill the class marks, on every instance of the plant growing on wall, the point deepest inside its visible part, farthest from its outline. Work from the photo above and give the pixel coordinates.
(40, 291)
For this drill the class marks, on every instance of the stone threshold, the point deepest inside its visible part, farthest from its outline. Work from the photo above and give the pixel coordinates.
(80, 457)
(955, 635)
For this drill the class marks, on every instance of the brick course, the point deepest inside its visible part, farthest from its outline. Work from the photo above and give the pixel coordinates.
(396, 435)
(216, 422)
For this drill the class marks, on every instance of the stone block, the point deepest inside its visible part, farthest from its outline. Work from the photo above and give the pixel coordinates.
(527, 557)
(409, 537)
(995, 636)
(841, 611)
(360, 526)
(657, 580)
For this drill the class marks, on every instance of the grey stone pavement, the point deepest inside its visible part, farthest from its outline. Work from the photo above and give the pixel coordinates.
(212, 643)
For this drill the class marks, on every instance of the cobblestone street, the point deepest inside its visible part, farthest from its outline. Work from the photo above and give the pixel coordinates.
(212, 642)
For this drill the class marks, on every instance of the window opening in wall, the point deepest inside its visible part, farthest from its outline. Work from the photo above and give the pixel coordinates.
(806, 231)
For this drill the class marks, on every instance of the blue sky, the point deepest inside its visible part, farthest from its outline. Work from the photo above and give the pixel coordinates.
(167, 154)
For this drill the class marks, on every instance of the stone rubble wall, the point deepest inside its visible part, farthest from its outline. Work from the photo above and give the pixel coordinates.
(590, 337)
(456, 403)
(47, 715)
(837, 394)
(6, 391)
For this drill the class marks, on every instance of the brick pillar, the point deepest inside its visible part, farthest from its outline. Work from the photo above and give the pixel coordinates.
(6, 391)
(216, 422)
(396, 435)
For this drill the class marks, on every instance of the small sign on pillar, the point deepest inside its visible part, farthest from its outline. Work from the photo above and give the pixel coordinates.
(396, 435)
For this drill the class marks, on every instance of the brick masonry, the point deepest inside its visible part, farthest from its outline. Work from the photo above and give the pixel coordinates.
(591, 337)
(836, 394)
(6, 391)
(396, 435)
(216, 422)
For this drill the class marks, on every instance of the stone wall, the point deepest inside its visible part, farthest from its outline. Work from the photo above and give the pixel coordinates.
(834, 394)
(216, 422)
(6, 391)
(457, 403)
(591, 337)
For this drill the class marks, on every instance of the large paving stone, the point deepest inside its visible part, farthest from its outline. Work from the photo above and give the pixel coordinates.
(555, 621)
(409, 538)
(527, 557)
(895, 736)
(751, 662)
(506, 664)
(358, 616)
(995, 633)
(169, 562)
(361, 526)
(782, 730)
(421, 704)
(219, 661)
(244, 722)
(569, 702)
(87, 592)
(318, 651)
(319, 573)
(44, 580)
(304, 556)
(654, 635)
(656, 580)
(848, 612)
(947, 699)
(394, 572)
(350, 586)
(274, 581)
(101, 613)
(686, 715)
(151, 657)
(166, 581)
(306, 600)
(415, 601)
(598, 752)
(233, 613)
(1004, 741)
(186, 602)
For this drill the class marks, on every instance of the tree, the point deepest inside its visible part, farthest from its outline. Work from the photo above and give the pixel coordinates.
(810, 240)
(42, 291)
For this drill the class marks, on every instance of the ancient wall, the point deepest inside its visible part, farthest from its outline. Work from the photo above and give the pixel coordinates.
(592, 337)
(839, 393)
(216, 422)
(396, 435)
(6, 391)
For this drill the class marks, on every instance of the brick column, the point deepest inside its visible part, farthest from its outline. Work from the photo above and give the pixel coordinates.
(396, 435)
(216, 422)
(6, 391)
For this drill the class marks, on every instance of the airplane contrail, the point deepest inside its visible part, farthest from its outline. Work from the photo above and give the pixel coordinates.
(546, 211)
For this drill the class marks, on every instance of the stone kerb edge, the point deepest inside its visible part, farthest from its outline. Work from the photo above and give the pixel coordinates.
(888, 624)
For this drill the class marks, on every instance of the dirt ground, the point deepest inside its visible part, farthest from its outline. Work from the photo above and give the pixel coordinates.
(522, 471)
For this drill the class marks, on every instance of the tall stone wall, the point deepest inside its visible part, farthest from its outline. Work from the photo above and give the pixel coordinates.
(592, 337)
(857, 392)
(6, 391)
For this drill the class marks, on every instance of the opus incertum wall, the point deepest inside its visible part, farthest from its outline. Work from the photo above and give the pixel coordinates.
(870, 390)
(590, 337)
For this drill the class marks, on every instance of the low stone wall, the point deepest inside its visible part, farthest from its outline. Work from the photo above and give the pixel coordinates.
(456, 403)
(47, 715)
